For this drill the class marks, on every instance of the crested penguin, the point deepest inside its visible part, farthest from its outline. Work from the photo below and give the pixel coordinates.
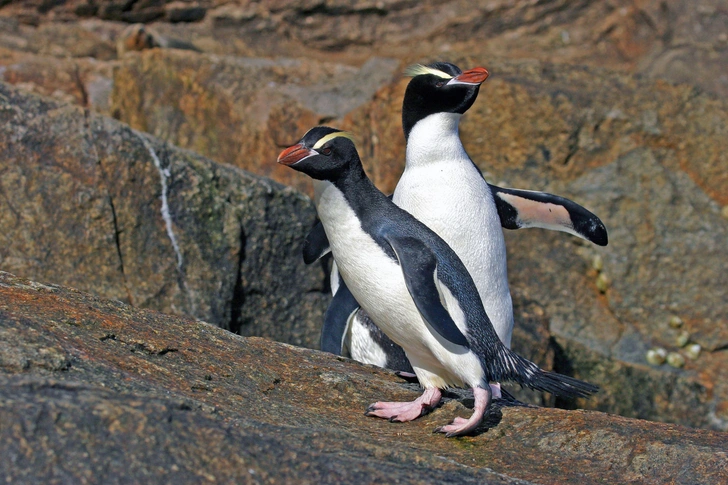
(413, 286)
(443, 188)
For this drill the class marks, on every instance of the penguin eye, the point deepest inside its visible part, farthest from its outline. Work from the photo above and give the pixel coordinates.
(440, 84)
(326, 151)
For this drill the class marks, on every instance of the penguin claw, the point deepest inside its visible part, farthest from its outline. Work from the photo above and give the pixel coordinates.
(399, 412)
(461, 426)
(407, 376)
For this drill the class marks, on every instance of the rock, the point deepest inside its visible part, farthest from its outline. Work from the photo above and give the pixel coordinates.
(139, 37)
(61, 40)
(88, 202)
(679, 41)
(184, 12)
(630, 150)
(83, 82)
(239, 111)
(112, 393)
(648, 156)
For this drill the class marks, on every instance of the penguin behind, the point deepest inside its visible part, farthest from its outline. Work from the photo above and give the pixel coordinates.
(443, 188)
(413, 286)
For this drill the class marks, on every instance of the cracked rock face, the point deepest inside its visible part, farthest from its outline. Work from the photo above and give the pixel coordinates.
(106, 393)
(647, 156)
(88, 202)
(237, 110)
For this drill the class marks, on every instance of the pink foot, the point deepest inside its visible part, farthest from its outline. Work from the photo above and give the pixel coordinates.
(399, 412)
(495, 388)
(461, 426)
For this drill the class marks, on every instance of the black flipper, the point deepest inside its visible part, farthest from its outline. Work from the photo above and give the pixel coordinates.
(316, 244)
(418, 265)
(525, 208)
(336, 322)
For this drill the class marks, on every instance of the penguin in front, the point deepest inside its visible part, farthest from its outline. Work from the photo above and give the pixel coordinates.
(443, 188)
(413, 286)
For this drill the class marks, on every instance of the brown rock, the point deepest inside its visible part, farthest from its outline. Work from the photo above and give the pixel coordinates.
(679, 41)
(89, 202)
(110, 393)
(78, 81)
(641, 154)
(139, 37)
(239, 111)
(184, 12)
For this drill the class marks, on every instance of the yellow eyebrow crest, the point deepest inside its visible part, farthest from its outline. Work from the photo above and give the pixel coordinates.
(419, 70)
(331, 136)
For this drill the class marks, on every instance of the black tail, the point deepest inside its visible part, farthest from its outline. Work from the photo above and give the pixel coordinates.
(509, 366)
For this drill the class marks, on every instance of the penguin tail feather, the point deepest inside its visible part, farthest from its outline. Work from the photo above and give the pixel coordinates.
(512, 367)
(561, 385)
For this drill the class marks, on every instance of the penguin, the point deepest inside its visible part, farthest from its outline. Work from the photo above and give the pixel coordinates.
(413, 286)
(443, 188)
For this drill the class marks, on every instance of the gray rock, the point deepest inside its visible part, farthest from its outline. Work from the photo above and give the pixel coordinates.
(148, 397)
(90, 203)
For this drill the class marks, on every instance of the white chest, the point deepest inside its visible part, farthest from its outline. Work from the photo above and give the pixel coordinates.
(377, 283)
(442, 188)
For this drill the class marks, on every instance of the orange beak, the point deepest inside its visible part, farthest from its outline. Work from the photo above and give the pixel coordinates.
(476, 75)
(294, 154)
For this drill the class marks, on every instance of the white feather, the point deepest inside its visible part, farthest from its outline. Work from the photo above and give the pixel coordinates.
(377, 283)
(442, 188)
(362, 347)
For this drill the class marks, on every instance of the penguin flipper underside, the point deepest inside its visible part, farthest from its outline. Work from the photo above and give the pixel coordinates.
(338, 317)
(520, 209)
(316, 244)
(419, 265)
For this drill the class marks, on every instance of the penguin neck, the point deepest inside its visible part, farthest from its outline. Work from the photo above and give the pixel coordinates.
(433, 139)
(356, 189)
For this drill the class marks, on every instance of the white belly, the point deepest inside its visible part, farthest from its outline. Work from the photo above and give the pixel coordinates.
(362, 347)
(377, 283)
(451, 198)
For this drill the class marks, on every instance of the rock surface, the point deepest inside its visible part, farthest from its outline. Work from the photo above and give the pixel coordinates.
(94, 391)
(240, 111)
(681, 41)
(90, 203)
(648, 156)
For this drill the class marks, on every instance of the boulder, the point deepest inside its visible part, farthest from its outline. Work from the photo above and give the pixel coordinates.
(94, 390)
(84, 82)
(91, 203)
(644, 155)
(240, 111)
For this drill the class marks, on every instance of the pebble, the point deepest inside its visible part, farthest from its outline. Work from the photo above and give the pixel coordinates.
(693, 351)
(602, 283)
(682, 339)
(675, 360)
(675, 321)
(598, 262)
(656, 356)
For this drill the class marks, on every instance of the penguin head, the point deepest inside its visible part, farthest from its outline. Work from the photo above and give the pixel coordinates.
(323, 153)
(439, 87)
